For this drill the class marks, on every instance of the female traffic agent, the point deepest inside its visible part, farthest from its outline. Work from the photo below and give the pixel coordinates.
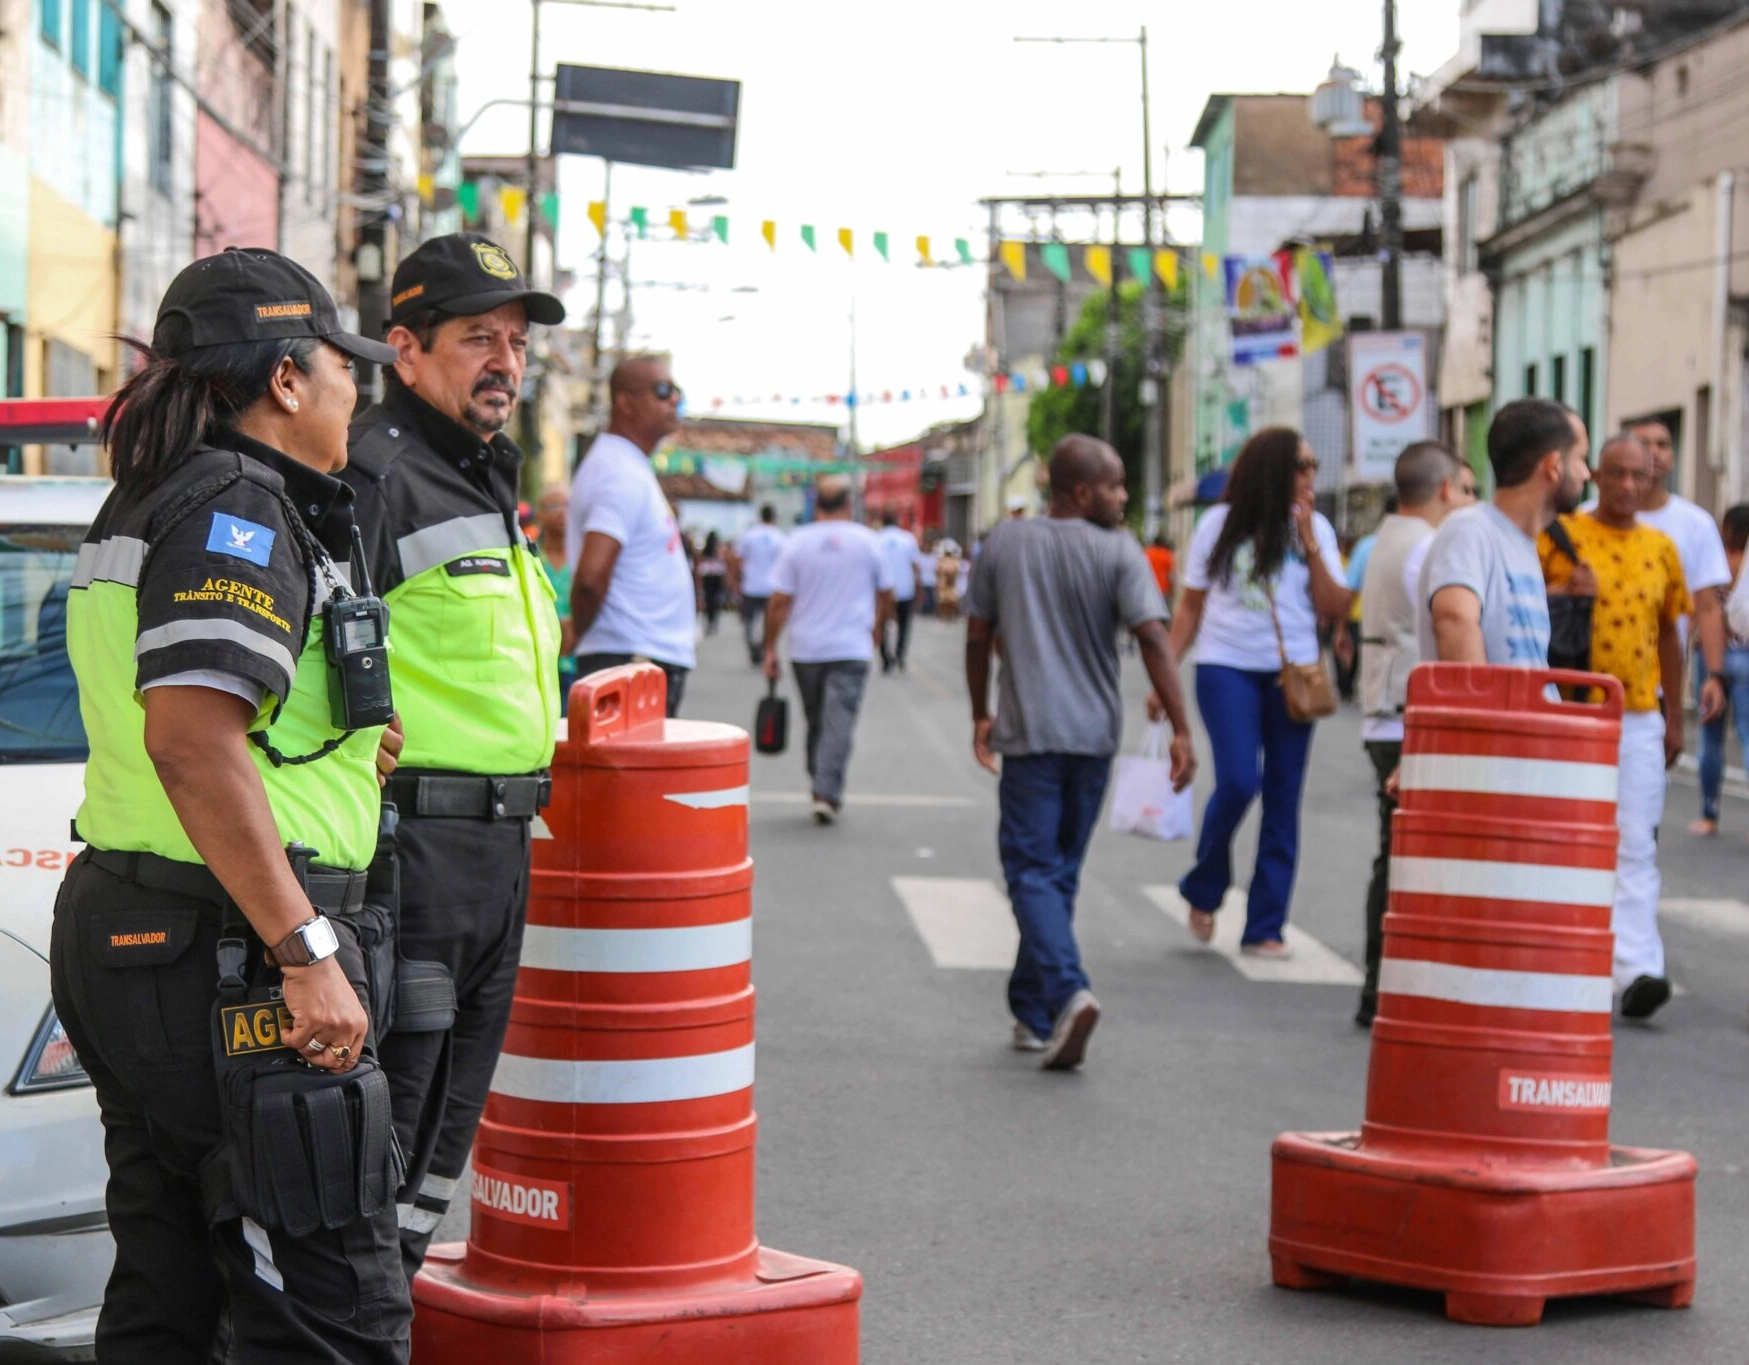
(205, 959)
(1263, 568)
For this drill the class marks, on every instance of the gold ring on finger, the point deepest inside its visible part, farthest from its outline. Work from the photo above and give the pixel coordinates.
(342, 1053)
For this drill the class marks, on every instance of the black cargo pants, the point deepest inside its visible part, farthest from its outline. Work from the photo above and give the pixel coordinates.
(135, 977)
(464, 898)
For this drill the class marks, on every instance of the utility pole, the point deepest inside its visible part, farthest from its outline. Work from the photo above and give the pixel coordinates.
(1390, 169)
(1153, 330)
(598, 371)
(1113, 316)
(371, 258)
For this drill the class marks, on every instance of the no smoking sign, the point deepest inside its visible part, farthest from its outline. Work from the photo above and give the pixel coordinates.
(1390, 393)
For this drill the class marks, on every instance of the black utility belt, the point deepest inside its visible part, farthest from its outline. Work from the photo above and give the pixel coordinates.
(468, 796)
(330, 889)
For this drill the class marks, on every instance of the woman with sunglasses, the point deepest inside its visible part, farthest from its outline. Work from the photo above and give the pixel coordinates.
(1263, 556)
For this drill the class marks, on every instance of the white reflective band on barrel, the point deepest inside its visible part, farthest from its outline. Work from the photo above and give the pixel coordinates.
(1481, 880)
(1504, 990)
(728, 796)
(1497, 776)
(692, 949)
(652, 1080)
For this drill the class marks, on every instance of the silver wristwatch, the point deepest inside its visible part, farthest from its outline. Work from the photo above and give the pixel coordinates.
(309, 943)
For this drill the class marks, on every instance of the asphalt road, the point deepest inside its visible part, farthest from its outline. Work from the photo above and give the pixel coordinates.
(1004, 1215)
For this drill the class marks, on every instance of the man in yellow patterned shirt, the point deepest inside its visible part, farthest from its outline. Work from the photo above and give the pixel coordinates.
(1636, 577)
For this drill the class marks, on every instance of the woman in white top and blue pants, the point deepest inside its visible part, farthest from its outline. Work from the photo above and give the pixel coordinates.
(1265, 539)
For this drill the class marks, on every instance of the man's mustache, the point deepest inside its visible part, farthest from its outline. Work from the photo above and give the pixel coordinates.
(495, 383)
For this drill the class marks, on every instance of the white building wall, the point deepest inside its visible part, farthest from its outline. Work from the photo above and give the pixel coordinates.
(157, 227)
(311, 151)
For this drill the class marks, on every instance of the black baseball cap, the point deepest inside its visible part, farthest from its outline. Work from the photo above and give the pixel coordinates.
(465, 273)
(248, 294)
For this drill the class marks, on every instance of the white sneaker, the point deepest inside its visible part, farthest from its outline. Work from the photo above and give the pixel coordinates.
(824, 814)
(1069, 1035)
(1025, 1040)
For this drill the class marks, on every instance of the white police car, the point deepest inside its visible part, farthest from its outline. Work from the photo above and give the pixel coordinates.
(55, 1248)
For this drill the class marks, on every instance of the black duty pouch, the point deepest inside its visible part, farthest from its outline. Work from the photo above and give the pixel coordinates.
(304, 1148)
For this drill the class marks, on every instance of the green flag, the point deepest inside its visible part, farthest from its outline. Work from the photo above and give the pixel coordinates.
(641, 221)
(961, 245)
(1056, 258)
(467, 195)
(549, 208)
(1141, 263)
(720, 226)
(880, 244)
(808, 235)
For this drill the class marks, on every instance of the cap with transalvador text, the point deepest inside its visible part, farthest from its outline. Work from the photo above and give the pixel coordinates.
(464, 274)
(247, 294)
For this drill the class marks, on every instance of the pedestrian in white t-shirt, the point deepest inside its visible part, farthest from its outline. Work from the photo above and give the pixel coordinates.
(756, 554)
(899, 553)
(834, 593)
(1701, 549)
(632, 594)
(1265, 541)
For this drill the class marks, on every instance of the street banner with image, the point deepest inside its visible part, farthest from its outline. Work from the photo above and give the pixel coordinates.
(1388, 402)
(1320, 321)
(1260, 307)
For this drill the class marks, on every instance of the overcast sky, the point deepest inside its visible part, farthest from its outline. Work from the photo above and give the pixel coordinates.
(897, 117)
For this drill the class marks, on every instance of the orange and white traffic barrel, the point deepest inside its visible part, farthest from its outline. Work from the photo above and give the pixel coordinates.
(1483, 1168)
(613, 1172)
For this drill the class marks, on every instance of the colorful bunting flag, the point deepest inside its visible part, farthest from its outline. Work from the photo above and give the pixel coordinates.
(598, 216)
(512, 199)
(1166, 267)
(1096, 371)
(961, 245)
(847, 240)
(1098, 262)
(880, 245)
(720, 226)
(1139, 263)
(1013, 256)
(1056, 259)
(427, 188)
(1320, 319)
(768, 230)
(1211, 265)
(467, 195)
(1077, 373)
(549, 209)
(808, 236)
(923, 251)
(677, 221)
(640, 218)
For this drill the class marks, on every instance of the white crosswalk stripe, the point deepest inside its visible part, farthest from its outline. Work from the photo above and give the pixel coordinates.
(1311, 964)
(965, 922)
(1719, 916)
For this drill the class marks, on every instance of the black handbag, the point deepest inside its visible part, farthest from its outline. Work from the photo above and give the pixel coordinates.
(771, 723)
(1569, 617)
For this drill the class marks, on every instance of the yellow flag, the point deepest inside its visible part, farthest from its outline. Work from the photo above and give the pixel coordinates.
(427, 188)
(847, 240)
(1211, 265)
(923, 251)
(768, 230)
(1166, 267)
(512, 199)
(677, 221)
(598, 215)
(1098, 262)
(1013, 256)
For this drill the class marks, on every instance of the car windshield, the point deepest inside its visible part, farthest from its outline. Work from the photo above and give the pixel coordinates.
(39, 699)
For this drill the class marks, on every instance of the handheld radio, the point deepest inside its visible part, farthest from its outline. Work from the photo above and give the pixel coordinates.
(355, 635)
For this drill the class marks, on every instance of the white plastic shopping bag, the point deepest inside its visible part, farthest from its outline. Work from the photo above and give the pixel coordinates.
(1143, 801)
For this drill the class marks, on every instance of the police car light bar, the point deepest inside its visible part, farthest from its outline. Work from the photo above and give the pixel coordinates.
(50, 421)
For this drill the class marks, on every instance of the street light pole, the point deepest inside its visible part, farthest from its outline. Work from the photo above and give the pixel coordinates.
(1390, 165)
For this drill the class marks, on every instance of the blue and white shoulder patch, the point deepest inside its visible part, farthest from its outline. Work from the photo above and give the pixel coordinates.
(240, 539)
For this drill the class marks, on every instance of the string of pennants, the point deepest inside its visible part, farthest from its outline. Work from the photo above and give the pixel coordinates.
(1078, 375)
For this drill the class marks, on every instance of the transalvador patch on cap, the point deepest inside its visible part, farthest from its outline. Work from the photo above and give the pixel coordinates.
(283, 310)
(411, 293)
(494, 261)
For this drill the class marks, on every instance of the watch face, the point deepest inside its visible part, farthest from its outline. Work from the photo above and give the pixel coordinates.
(321, 940)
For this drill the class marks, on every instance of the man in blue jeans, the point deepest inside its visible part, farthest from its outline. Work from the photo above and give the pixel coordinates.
(1057, 589)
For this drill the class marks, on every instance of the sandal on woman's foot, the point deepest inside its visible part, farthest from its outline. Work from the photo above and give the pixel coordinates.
(1272, 948)
(1704, 827)
(1202, 925)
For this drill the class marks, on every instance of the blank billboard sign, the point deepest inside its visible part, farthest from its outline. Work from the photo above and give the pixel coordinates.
(647, 118)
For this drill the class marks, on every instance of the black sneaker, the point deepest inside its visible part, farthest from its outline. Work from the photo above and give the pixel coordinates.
(1644, 997)
(1367, 1012)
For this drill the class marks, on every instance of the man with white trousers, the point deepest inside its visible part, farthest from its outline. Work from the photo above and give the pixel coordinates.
(1635, 575)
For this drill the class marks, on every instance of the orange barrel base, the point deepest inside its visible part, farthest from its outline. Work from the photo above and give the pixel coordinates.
(790, 1311)
(1497, 1241)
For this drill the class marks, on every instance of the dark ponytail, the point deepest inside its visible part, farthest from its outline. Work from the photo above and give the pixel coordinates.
(183, 396)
